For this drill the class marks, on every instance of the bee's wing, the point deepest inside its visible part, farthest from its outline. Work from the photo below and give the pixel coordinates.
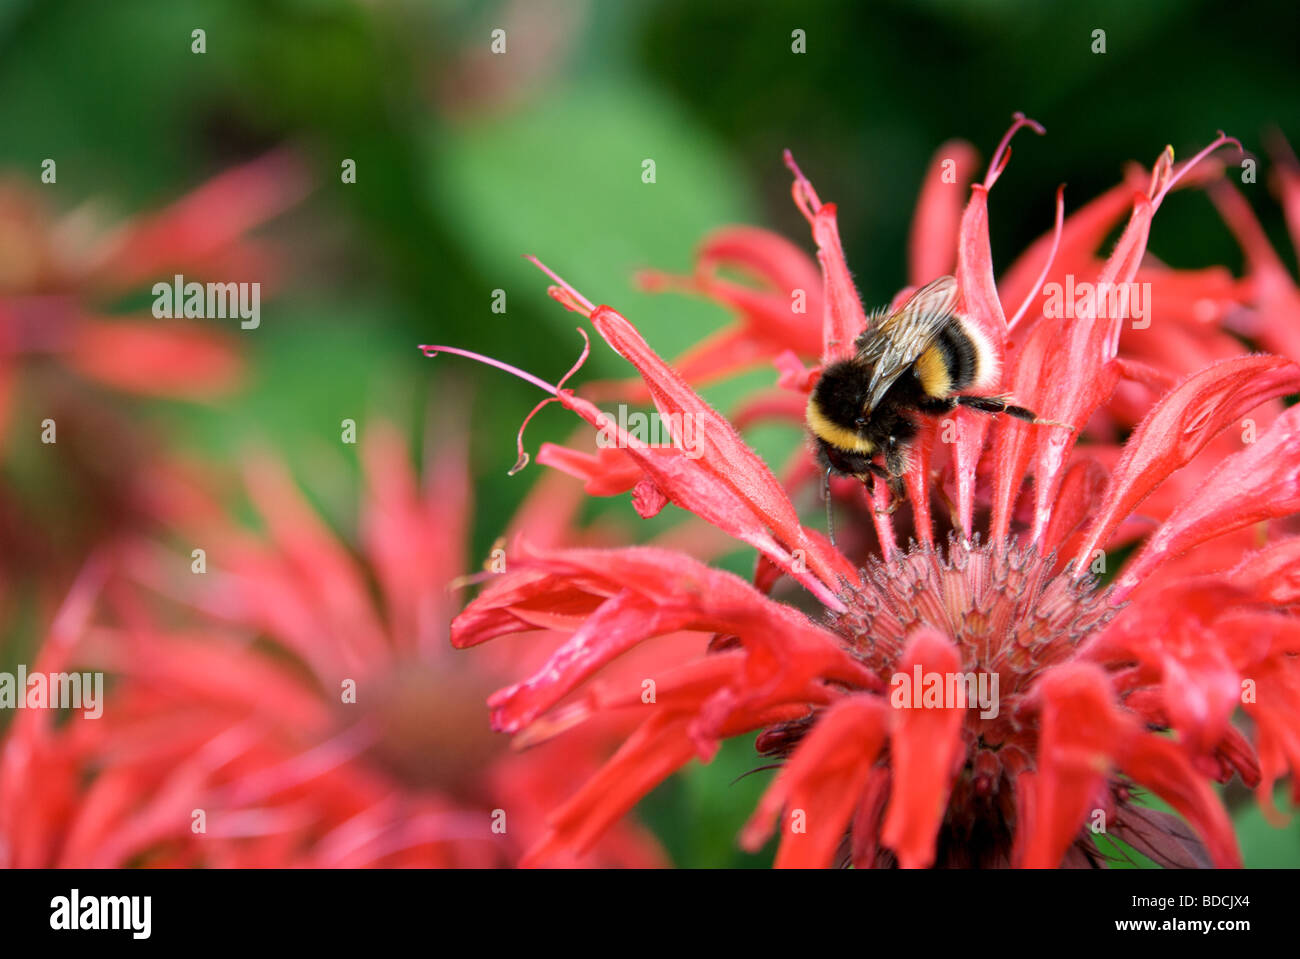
(893, 345)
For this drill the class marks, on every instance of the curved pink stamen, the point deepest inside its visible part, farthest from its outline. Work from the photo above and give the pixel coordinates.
(523, 458)
(805, 197)
(586, 352)
(562, 292)
(1171, 177)
(1003, 153)
(1051, 258)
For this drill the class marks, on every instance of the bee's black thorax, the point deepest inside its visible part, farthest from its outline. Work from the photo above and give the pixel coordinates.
(841, 392)
(840, 396)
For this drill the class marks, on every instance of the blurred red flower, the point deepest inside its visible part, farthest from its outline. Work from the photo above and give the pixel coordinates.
(64, 337)
(314, 714)
(1104, 691)
(56, 276)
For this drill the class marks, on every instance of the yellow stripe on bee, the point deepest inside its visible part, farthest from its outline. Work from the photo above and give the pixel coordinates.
(838, 436)
(933, 372)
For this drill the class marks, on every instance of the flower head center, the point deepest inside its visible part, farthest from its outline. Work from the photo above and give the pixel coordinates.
(425, 725)
(1006, 608)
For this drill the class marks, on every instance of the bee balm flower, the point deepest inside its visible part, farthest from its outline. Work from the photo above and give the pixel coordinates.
(1102, 692)
(307, 708)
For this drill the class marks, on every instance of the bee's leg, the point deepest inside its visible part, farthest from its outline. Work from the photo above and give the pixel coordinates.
(898, 491)
(936, 406)
(830, 506)
(892, 474)
(999, 404)
(996, 404)
(896, 494)
(873, 475)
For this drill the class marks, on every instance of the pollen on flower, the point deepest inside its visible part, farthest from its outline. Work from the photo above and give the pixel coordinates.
(1011, 613)
(1002, 604)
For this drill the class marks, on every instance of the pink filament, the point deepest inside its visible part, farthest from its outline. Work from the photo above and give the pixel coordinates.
(562, 291)
(432, 351)
(805, 197)
(522, 459)
(1177, 175)
(1051, 258)
(1003, 153)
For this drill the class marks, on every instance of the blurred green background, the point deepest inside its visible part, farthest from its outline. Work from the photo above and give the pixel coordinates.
(465, 161)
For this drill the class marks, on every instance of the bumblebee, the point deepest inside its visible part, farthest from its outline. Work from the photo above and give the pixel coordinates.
(918, 359)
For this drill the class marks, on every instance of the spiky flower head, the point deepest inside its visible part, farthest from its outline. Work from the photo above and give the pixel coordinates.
(961, 682)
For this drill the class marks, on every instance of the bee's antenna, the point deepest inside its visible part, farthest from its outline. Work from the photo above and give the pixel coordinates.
(830, 505)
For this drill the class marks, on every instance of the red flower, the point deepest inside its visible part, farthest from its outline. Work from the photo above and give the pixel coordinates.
(1272, 294)
(50, 285)
(60, 345)
(1098, 692)
(243, 711)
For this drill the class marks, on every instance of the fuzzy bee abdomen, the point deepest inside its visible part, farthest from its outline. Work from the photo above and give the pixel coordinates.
(950, 364)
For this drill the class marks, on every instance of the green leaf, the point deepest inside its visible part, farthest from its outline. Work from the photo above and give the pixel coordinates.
(563, 180)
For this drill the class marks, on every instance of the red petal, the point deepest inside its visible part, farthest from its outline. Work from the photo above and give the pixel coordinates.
(1274, 291)
(205, 222)
(1271, 574)
(1286, 174)
(978, 300)
(608, 472)
(1088, 379)
(925, 745)
(1091, 343)
(726, 352)
(823, 781)
(414, 537)
(1257, 483)
(1163, 767)
(844, 317)
(1180, 426)
(979, 291)
(650, 755)
(156, 359)
(1080, 491)
(652, 592)
(1276, 714)
(615, 627)
(719, 449)
(1015, 441)
(768, 255)
(1081, 730)
(1082, 234)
